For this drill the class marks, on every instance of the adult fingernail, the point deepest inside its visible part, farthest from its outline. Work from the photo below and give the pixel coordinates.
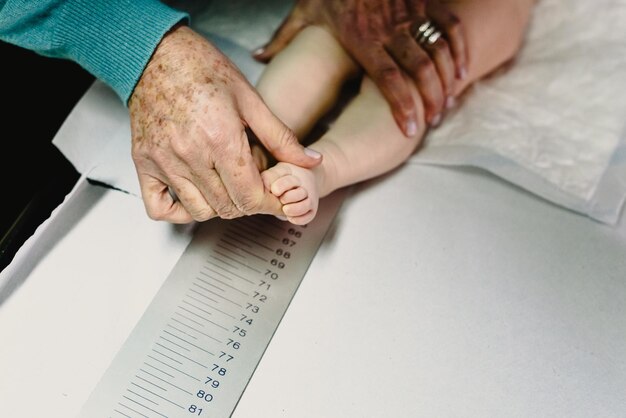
(411, 128)
(436, 121)
(258, 51)
(450, 102)
(312, 153)
(463, 73)
(282, 218)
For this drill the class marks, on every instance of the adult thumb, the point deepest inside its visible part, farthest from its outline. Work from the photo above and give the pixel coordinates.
(278, 139)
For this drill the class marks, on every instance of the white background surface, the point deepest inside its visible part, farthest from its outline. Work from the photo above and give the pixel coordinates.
(438, 292)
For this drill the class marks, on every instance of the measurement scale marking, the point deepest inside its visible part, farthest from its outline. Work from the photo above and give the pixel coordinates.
(271, 223)
(260, 231)
(142, 405)
(121, 413)
(198, 308)
(152, 383)
(234, 260)
(225, 284)
(159, 396)
(128, 407)
(257, 243)
(142, 397)
(190, 343)
(223, 262)
(217, 294)
(210, 306)
(207, 283)
(195, 349)
(169, 383)
(178, 370)
(182, 332)
(230, 272)
(166, 356)
(173, 343)
(198, 331)
(201, 295)
(156, 368)
(179, 354)
(240, 249)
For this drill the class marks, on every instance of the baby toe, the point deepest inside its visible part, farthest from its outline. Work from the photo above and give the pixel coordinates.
(298, 208)
(283, 184)
(294, 195)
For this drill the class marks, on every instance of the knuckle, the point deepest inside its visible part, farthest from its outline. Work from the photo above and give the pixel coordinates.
(156, 213)
(424, 69)
(181, 146)
(441, 46)
(452, 26)
(386, 75)
(284, 139)
(453, 21)
(201, 214)
(227, 211)
(249, 204)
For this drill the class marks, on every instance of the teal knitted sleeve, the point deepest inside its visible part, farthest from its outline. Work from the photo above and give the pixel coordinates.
(111, 39)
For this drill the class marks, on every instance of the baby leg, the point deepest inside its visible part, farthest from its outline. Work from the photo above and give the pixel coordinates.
(302, 82)
(362, 143)
(300, 85)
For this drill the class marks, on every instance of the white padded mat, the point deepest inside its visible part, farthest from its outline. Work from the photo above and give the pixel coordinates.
(553, 122)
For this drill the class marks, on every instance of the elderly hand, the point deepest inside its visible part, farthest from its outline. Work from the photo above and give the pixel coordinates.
(380, 36)
(190, 113)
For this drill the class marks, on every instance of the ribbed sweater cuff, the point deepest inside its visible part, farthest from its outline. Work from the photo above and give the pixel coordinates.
(114, 40)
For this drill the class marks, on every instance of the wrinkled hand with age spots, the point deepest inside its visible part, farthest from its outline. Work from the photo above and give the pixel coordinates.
(190, 113)
(378, 34)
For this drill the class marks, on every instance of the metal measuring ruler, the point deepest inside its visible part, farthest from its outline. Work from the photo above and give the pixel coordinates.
(197, 345)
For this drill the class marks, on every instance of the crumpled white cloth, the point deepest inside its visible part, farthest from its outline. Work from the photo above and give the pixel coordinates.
(554, 121)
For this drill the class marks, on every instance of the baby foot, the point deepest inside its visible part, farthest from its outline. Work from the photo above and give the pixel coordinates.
(297, 190)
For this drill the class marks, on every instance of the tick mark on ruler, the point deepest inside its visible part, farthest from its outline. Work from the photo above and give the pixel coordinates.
(123, 414)
(171, 384)
(226, 277)
(209, 284)
(220, 296)
(135, 411)
(153, 384)
(201, 295)
(140, 404)
(248, 228)
(173, 343)
(271, 223)
(189, 342)
(251, 240)
(207, 305)
(172, 367)
(223, 262)
(159, 396)
(227, 285)
(156, 368)
(240, 249)
(178, 354)
(198, 331)
(143, 397)
(188, 319)
(166, 356)
(182, 332)
(201, 317)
